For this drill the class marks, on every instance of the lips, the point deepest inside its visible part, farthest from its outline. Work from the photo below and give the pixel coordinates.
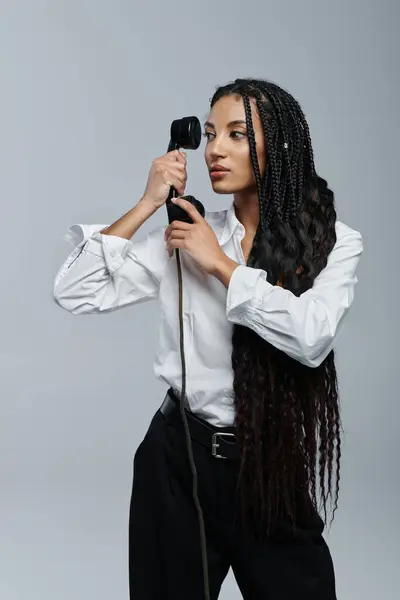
(215, 168)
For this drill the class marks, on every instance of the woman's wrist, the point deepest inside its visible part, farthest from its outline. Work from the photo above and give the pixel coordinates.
(147, 205)
(224, 268)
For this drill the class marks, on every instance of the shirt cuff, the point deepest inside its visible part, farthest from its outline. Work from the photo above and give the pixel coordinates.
(77, 235)
(241, 290)
(111, 248)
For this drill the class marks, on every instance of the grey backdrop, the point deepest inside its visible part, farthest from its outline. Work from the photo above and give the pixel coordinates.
(88, 92)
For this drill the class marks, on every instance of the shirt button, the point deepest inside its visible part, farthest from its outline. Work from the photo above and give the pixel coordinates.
(113, 253)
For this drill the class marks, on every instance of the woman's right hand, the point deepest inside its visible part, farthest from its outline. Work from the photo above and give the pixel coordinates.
(166, 171)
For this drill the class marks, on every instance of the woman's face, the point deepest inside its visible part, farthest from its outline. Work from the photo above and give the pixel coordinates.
(228, 146)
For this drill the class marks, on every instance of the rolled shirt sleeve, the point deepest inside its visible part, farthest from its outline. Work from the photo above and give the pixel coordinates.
(106, 272)
(305, 327)
(110, 247)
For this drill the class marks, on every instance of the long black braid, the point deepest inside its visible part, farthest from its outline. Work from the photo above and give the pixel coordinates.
(287, 414)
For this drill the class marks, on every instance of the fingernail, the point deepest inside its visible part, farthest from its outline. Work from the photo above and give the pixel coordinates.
(173, 200)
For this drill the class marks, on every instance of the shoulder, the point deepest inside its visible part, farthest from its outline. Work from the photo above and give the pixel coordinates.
(344, 229)
(346, 235)
(346, 252)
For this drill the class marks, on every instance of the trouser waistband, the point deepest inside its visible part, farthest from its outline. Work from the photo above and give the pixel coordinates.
(222, 444)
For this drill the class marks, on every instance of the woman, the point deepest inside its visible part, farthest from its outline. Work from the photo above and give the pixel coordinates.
(267, 284)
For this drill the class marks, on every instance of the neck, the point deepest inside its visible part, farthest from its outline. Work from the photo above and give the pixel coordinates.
(247, 211)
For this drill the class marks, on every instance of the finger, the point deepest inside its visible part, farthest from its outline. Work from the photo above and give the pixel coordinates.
(179, 225)
(177, 235)
(178, 186)
(171, 226)
(177, 156)
(174, 166)
(189, 208)
(173, 244)
(176, 174)
(180, 166)
(181, 157)
(177, 182)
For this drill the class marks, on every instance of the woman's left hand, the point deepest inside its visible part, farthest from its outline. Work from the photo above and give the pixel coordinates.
(198, 239)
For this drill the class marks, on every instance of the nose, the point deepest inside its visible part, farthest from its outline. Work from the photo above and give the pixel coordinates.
(217, 148)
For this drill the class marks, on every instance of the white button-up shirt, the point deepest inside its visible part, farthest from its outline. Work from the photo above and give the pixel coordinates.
(105, 272)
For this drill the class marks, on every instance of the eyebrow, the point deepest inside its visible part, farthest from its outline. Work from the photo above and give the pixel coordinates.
(230, 124)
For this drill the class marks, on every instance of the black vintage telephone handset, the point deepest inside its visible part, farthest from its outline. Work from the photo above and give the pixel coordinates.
(186, 133)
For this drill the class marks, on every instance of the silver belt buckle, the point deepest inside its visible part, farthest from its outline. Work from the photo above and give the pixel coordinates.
(215, 444)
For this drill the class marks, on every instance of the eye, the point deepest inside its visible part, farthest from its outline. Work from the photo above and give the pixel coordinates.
(206, 134)
(237, 135)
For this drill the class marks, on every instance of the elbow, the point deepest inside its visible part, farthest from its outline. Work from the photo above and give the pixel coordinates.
(317, 341)
(65, 303)
(320, 333)
(73, 304)
(57, 296)
(313, 356)
(314, 359)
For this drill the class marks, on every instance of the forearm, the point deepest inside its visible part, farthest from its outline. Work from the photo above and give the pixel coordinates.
(128, 224)
(224, 269)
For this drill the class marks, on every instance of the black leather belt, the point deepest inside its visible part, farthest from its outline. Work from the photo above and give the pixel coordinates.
(221, 443)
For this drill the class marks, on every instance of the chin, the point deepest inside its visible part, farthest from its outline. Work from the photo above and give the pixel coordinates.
(222, 187)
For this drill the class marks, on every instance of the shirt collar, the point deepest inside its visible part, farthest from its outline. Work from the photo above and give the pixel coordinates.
(230, 225)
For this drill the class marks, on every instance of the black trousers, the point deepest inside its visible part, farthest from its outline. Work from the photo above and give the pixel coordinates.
(164, 539)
